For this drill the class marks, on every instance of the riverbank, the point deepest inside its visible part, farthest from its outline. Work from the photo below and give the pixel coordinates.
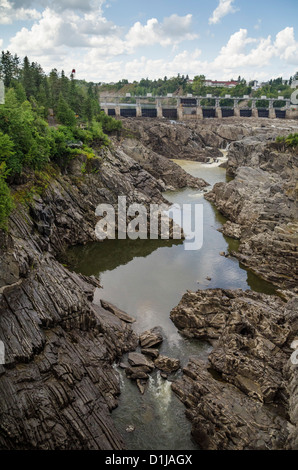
(58, 385)
(245, 397)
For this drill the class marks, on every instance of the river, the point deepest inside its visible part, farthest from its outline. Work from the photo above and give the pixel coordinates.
(147, 278)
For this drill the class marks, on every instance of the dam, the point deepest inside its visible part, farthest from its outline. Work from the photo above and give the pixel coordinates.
(197, 107)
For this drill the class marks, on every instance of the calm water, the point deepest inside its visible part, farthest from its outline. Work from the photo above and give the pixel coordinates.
(147, 279)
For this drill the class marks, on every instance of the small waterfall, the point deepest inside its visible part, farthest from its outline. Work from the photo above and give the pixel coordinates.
(160, 390)
(120, 376)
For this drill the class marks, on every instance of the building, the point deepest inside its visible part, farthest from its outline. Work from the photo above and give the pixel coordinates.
(294, 84)
(216, 83)
(256, 85)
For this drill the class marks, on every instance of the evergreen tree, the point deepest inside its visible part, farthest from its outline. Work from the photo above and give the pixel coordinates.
(28, 81)
(65, 115)
(8, 67)
(65, 87)
(54, 88)
(6, 202)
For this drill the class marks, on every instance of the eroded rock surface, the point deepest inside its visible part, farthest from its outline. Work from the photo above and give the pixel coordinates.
(225, 419)
(244, 397)
(261, 205)
(160, 167)
(58, 384)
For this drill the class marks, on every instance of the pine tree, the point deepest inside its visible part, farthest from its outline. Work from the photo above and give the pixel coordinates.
(65, 115)
(7, 68)
(28, 79)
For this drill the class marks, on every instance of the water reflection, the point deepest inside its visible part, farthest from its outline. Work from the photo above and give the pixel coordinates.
(147, 278)
(96, 258)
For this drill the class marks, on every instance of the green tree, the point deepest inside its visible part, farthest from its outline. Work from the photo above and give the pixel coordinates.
(198, 84)
(6, 147)
(28, 81)
(6, 202)
(9, 67)
(54, 88)
(65, 114)
(19, 91)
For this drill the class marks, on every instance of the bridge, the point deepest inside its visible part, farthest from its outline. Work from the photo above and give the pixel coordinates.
(197, 107)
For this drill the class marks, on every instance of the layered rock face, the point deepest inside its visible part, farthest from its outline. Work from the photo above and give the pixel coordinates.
(261, 203)
(200, 140)
(164, 170)
(244, 397)
(58, 385)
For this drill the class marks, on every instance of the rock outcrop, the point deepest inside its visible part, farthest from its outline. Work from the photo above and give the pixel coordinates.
(58, 384)
(200, 140)
(244, 397)
(261, 204)
(171, 175)
(225, 419)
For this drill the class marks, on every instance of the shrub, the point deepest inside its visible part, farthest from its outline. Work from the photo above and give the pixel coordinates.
(6, 202)
(290, 141)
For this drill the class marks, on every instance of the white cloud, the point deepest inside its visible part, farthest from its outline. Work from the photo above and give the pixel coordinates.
(242, 55)
(224, 8)
(54, 34)
(101, 51)
(171, 31)
(286, 46)
(235, 53)
(9, 14)
(61, 5)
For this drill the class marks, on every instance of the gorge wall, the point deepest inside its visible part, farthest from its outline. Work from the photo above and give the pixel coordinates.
(58, 385)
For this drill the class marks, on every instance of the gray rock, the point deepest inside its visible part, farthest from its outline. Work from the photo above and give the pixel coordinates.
(225, 419)
(151, 338)
(142, 385)
(116, 311)
(138, 372)
(167, 364)
(248, 367)
(137, 359)
(154, 353)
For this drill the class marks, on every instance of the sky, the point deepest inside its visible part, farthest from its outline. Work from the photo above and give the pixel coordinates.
(110, 40)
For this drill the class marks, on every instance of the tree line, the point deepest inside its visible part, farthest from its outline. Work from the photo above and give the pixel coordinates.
(27, 141)
(182, 85)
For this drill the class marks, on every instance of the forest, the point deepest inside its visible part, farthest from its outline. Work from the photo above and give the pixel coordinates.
(182, 85)
(41, 120)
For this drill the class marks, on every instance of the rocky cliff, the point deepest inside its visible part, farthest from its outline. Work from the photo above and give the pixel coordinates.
(58, 385)
(261, 205)
(200, 140)
(245, 396)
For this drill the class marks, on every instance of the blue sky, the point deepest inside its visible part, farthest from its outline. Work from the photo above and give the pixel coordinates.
(107, 40)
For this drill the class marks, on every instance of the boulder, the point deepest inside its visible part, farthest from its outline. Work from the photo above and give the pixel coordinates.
(135, 373)
(154, 353)
(142, 385)
(151, 338)
(167, 364)
(116, 311)
(137, 359)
